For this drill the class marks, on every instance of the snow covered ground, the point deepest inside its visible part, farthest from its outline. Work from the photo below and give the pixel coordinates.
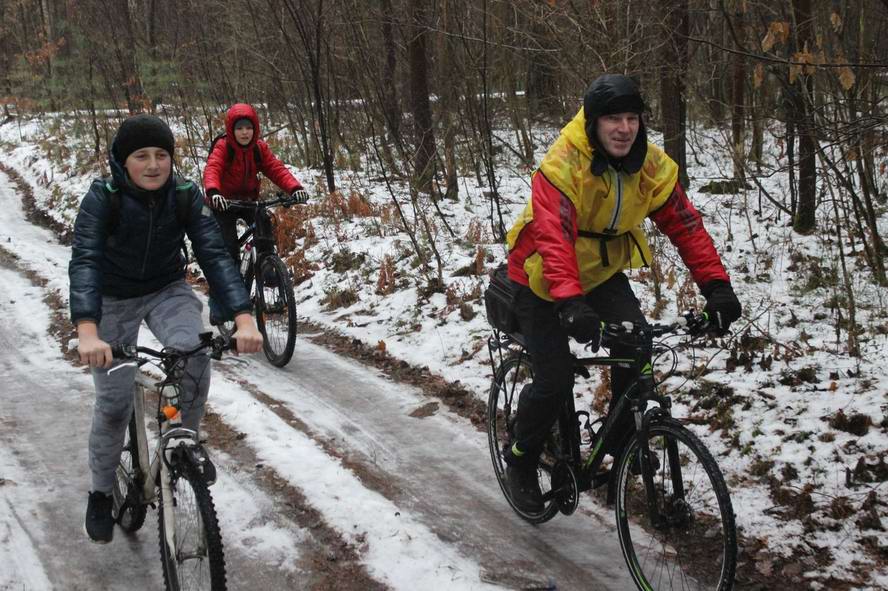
(797, 425)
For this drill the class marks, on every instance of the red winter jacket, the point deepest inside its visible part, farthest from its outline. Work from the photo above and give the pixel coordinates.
(678, 219)
(231, 168)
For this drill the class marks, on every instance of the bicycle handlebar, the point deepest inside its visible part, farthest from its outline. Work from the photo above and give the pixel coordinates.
(217, 344)
(280, 199)
(695, 323)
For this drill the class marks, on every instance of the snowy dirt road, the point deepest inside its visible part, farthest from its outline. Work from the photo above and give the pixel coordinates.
(327, 473)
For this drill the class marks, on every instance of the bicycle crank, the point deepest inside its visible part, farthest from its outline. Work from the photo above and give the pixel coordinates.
(564, 487)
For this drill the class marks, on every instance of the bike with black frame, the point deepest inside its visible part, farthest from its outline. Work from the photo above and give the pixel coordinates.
(673, 510)
(267, 280)
(175, 477)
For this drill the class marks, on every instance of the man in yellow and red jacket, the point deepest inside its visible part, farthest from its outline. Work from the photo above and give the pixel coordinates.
(568, 249)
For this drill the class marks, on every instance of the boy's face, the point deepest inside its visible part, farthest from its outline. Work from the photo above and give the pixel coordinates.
(617, 132)
(243, 132)
(149, 168)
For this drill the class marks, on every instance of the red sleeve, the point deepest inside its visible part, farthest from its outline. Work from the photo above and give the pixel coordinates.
(554, 230)
(683, 224)
(275, 170)
(212, 177)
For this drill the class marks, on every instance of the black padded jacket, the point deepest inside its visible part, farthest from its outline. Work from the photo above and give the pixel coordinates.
(142, 252)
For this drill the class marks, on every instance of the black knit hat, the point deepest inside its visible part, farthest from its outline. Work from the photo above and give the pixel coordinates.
(142, 131)
(609, 94)
(243, 120)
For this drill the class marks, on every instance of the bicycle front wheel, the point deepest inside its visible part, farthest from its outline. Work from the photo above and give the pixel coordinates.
(190, 540)
(275, 310)
(127, 507)
(688, 541)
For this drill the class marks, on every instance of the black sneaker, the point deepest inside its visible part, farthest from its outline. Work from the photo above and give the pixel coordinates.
(524, 487)
(99, 524)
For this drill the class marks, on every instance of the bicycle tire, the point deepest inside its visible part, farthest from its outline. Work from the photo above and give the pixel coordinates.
(196, 532)
(275, 315)
(696, 546)
(502, 404)
(129, 515)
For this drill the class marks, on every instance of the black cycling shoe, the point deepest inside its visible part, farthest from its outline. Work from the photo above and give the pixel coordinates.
(99, 524)
(524, 487)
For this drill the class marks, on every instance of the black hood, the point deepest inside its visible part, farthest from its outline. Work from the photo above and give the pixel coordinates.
(608, 94)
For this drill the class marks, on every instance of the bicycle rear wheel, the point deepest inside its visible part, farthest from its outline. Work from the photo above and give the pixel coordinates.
(694, 543)
(502, 406)
(196, 560)
(127, 508)
(275, 309)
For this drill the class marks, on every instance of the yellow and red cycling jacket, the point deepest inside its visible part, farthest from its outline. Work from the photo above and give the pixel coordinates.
(578, 229)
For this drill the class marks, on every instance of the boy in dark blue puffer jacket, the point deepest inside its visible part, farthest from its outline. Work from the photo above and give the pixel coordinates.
(127, 267)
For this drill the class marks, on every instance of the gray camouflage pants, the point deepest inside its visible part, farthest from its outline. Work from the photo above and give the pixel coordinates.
(173, 314)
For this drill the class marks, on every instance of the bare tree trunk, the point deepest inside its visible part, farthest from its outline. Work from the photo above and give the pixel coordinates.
(672, 85)
(49, 32)
(543, 68)
(424, 157)
(311, 34)
(805, 220)
(390, 107)
(738, 104)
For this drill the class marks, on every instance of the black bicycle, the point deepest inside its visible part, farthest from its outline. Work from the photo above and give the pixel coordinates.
(673, 510)
(175, 477)
(267, 280)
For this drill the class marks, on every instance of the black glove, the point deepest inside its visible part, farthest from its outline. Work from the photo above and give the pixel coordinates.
(579, 321)
(722, 305)
(300, 196)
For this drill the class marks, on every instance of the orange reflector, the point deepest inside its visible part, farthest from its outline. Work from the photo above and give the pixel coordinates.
(170, 412)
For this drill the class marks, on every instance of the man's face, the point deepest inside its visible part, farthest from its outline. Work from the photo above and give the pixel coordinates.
(243, 132)
(617, 132)
(149, 168)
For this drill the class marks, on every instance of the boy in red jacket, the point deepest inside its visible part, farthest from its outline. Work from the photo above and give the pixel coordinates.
(231, 173)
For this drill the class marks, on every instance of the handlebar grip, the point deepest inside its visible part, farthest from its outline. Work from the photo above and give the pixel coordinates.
(697, 322)
(123, 351)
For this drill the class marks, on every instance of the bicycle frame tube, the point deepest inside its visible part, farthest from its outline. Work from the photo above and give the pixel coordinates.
(146, 467)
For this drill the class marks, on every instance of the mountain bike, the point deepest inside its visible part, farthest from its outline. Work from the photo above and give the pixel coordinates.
(174, 477)
(267, 280)
(673, 511)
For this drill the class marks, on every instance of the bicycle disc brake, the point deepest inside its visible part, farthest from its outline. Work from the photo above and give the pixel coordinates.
(564, 485)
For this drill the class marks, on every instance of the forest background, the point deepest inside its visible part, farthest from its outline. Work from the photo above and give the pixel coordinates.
(417, 96)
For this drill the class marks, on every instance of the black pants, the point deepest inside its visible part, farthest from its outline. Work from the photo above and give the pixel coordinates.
(263, 241)
(227, 221)
(553, 376)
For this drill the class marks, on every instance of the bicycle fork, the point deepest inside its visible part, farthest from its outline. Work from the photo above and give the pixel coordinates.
(643, 419)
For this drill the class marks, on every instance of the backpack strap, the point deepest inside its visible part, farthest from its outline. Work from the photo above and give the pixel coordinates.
(113, 207)
(183, 201)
